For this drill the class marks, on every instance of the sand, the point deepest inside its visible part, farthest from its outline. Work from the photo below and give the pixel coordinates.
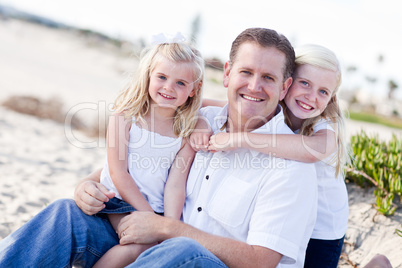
(41, 160)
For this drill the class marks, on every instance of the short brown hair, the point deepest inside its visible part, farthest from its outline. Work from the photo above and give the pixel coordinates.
(266, 38)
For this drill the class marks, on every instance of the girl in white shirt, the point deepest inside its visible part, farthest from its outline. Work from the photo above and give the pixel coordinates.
(311, 109)
(146, 140)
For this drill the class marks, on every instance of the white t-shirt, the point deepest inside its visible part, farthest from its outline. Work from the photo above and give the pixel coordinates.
(253, 197)
(333, 208)
(150, 156)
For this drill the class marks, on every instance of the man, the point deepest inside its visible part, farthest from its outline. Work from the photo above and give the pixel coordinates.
(243, 208)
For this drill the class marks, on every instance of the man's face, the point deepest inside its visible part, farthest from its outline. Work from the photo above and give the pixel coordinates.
(255, 84)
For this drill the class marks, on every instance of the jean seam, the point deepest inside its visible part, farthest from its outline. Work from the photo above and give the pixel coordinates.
(89, 249)
(202, 257)
(333, 254)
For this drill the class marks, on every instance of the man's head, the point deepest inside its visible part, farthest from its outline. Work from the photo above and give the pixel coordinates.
(266, 38)
(257, 76)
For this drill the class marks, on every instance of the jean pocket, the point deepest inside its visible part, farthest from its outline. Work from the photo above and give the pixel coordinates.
(232, 201)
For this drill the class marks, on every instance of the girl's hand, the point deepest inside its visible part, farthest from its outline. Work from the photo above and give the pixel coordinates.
(222, 142)
(199, 140)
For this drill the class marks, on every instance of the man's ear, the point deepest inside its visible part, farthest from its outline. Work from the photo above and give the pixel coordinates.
(226, 73)
(286, 85)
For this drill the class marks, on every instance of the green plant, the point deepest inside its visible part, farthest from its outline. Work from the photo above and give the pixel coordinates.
(377, 163)
(398, 232)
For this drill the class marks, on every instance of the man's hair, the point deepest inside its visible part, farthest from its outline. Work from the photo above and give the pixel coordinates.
(266, 38)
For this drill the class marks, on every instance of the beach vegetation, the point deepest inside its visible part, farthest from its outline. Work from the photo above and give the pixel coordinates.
(398, 232)
(378, 163)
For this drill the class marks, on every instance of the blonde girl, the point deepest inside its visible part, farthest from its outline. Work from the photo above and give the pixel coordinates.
(148, 156)
(311, 108)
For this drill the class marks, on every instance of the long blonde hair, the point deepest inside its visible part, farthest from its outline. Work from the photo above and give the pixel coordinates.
(321, 57)
(134, 99)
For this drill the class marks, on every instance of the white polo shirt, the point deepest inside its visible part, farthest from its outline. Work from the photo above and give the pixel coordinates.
(253, 197)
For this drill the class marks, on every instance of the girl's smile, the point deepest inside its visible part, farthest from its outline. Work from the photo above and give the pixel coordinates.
(171, 83)
(310, 92)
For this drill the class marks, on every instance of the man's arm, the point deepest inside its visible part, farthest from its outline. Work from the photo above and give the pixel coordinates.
(90, 195)
(145, 228)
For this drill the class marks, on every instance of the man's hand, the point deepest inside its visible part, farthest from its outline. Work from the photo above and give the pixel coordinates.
(141, 227)
(90, 196)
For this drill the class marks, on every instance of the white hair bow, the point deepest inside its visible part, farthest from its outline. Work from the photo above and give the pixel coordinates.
(169, 39)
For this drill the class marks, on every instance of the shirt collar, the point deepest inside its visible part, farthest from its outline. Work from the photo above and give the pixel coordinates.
(274, 126)
(277, 121)
(222, 118)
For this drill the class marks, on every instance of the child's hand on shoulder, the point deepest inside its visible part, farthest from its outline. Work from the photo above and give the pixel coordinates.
(222, 142)
(199, 140)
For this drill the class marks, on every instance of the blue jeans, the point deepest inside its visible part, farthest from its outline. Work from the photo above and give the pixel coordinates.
(323, 253)
(61, 235)
(177, 252)
(116, 206)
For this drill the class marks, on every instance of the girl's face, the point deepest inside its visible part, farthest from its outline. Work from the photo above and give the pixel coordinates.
(171, 83)
(311, 91)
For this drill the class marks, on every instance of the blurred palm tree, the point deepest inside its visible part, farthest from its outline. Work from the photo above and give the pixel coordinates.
(392, 86)
(195, 28)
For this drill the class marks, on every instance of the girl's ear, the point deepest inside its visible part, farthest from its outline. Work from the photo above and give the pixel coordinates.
(195, 89)
(192, 93)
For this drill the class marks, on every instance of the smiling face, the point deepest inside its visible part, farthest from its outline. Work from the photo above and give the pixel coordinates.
(310, 92)
(171, 83)
(255, 85)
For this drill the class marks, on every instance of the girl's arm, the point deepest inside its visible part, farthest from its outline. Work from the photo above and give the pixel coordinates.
(308, 149)
(199, 139)
(175, 189)
(117, 157)
(211, 102)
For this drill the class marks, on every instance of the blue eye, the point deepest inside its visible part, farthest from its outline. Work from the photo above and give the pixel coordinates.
(162, 77)
(304, 83)
(181, 83)
(268, 77)
(323, 92)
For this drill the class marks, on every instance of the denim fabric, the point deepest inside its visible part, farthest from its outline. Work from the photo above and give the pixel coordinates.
(177, 252)
(323, 253)
(117, 206)
(61, 235)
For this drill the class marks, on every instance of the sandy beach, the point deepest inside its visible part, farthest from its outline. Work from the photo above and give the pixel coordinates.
(41, 160)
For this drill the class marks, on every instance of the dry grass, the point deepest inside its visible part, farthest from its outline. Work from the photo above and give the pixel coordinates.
(51, 109)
